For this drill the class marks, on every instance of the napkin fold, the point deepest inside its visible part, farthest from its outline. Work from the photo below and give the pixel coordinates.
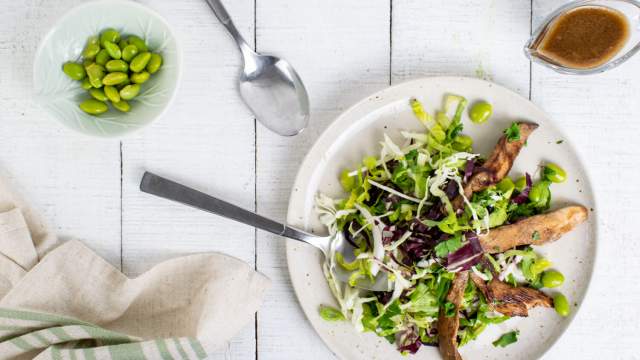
(66, 302)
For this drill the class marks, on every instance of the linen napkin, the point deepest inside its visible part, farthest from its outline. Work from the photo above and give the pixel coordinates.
(63, 301)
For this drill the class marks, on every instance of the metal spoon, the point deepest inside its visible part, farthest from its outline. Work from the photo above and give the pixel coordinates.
(165, 188)
(269, 86)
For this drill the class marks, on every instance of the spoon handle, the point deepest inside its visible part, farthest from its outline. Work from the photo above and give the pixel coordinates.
(223, 16)
(165, 188)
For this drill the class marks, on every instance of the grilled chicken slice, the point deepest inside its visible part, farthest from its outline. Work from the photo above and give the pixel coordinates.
(448, 326)
(497, 165)
(509, 300)
(534, 230)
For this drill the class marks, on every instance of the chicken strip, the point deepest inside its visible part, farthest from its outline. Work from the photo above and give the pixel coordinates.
(509, 300)
(497, 165)
(448, 326)
(534, 230)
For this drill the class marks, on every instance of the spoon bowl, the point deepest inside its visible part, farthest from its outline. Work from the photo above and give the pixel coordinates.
(269, 86)
(273, 91)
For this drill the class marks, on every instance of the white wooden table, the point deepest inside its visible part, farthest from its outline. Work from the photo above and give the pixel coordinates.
(344, 50)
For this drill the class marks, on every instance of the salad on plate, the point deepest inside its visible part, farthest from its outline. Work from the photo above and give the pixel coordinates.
(451, 230)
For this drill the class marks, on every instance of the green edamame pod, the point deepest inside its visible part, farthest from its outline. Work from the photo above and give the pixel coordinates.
(140, 62)
(129, 92)
(98, 94)
(86, 84)
(480, 112)
(139, 78)
(129, 52)
(110, 35)
(114, 78)
(154, 63)
(554, 173)
(74, 70)
(95, 72)
(561, 304)
(113, 50)
(93, 107)
(117, 66)
(93, 40)
(122, 105)
(90, 51)
(138, 42)
(103, 57)
(112, 93)
(552, 278)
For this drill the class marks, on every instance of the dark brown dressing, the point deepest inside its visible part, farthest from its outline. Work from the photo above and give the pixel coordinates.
(585, 37)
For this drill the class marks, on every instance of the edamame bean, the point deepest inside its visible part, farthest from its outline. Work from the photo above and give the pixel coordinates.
(554, 173)
(123, 84)
(129, 92)
(93, 40)
(552, 278)
(122, 105)
(154, 63)
(74, 70)
(110, 35)
(561, 305)
(103, 57)
(93, 107)
(480, 112)
(117, 66)
(98, 94)
(540, 193)
(114, 78)
(460, 143)
(520, 184)
(86, 84)
(539, 266)
(123, 44)
(112, 93)
(95, 73)
(140, 62)
(90, 51)
(139, 78)
(138, 42)
(113, 50)
(129, 52)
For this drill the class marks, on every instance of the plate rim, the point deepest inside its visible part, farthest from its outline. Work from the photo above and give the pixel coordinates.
(338, 123)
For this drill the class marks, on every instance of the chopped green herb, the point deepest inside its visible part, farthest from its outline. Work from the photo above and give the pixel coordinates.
(329, 313)
(507, 339)
(559, 142)
(449, 309)
(512, 132)
(446, 247)
(535, 235)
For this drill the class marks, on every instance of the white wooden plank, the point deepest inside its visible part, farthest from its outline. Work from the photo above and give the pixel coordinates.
(599, 113)
(71, 179)
(462, 38)
(341, 50)
(206, 140)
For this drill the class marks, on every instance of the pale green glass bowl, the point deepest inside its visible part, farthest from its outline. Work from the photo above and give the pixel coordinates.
(60, 96)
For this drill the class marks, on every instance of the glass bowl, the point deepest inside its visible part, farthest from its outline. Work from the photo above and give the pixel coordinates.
(629, 8)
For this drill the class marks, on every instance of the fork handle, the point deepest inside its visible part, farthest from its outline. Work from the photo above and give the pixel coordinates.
(165, 188)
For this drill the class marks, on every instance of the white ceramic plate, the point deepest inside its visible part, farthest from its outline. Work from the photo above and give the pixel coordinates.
(60, 96)
(357, 132)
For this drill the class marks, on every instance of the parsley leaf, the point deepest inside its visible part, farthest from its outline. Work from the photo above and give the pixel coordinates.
(446, 247)
(507, 339)
(535, 235)
(512, 132)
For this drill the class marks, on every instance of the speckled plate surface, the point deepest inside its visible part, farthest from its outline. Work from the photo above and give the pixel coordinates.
(357, 133)
(60, 96)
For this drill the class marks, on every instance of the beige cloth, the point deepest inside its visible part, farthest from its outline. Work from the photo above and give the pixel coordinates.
(209, 297)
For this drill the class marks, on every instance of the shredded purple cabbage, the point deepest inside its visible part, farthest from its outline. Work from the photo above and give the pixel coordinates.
(470, 251)
(523, 196)
(468, 170)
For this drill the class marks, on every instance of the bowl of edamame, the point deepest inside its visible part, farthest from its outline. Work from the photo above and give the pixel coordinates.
(107, 68)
